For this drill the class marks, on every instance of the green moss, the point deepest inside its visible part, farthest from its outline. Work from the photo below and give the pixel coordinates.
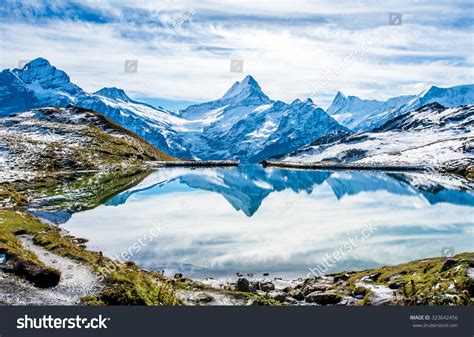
(17, 222)
(260, 299)
(132, 286)
(10, 197)
(426, 282)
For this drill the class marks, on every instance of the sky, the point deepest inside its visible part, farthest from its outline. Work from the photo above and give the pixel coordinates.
(294, 49)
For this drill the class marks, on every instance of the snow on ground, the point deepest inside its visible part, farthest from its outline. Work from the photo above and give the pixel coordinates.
(421, 147)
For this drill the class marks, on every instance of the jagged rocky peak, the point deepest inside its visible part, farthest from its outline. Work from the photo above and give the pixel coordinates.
(339, 96)
(247, 89)
(40, 71)
(114, 93)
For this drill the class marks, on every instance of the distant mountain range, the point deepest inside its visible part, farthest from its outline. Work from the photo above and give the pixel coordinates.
(244, 123)
(431, 135)
(364, 115)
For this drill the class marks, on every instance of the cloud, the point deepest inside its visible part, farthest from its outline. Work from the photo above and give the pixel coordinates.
(184, 50)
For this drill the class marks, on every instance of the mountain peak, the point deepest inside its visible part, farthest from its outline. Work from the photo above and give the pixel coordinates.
(38, 62)
(247, 89)
(339, 96)
(41, 72)
(114, 93)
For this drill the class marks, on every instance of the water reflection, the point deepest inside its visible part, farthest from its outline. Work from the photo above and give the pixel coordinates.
(249, 219)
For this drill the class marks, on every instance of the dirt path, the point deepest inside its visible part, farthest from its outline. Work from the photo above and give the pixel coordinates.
(77, 280)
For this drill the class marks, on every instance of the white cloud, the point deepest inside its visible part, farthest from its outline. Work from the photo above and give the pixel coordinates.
(287, 50)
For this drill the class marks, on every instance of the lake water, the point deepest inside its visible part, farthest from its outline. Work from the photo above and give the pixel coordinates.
(216, 222)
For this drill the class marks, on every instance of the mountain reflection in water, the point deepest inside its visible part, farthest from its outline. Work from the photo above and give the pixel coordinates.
(219, 221)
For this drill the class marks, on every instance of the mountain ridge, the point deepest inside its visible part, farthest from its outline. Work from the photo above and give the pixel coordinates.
(242, 124)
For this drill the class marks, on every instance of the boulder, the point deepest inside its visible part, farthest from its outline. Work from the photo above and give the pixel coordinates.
(245, 285)
(311, 288)
(341, 277)
(323, 298)
(265, 286)
(296, 294)
(277, 296)
(40, 275)
(203, 298)
(372, 277)
(449, 263)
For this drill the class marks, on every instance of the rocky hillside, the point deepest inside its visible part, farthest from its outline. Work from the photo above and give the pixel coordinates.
(68, 139)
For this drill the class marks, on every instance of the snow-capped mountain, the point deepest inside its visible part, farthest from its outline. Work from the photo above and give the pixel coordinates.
(430, 135)
(39, 84)
(244, 123)
(359, 114)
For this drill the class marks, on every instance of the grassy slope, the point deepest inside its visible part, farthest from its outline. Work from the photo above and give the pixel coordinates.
(421, 282)
(94, 143)
(126, 284)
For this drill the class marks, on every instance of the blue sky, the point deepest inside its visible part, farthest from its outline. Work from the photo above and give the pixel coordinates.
(294, 49)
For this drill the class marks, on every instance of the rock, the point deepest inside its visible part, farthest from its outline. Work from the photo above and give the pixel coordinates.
(239, 274)
(20, 232)
(178, 275)
(313, 288)
(40, 276)
(203, 298)
(266, 274)
(79, 241)
(245, 285)
(449, 263)
(277, 296)
(348, 300)
(371, 277)
(296, 294)
(250, 274)
(323, 298)
(359, 292)
(398, 275)
(341, 277)
(291, 301)
(265, 286)
(396, 285)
